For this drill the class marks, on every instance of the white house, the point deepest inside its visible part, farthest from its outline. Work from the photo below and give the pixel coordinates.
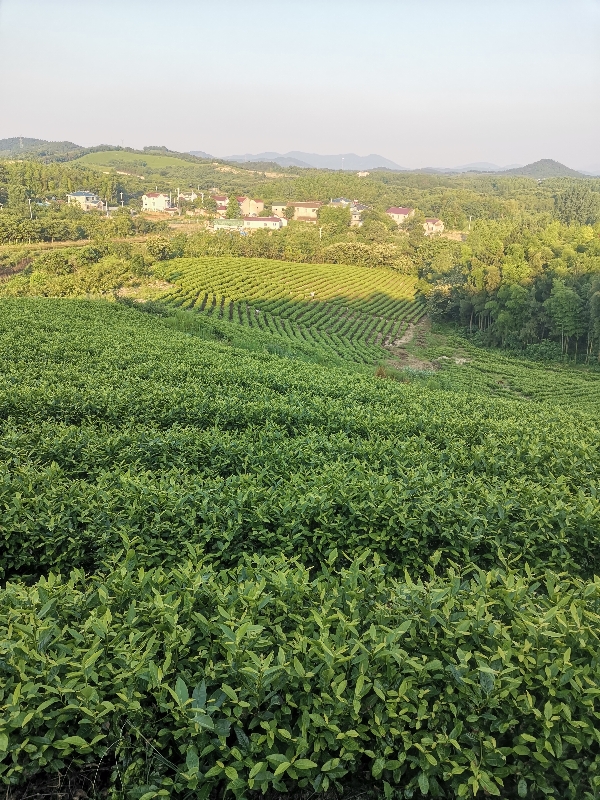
(279, 209)
(264, 223)
(400, 215)
(156, 201)
(88, 201)
(187, 196)
(433, 225)
(357, 209)
(306, 212)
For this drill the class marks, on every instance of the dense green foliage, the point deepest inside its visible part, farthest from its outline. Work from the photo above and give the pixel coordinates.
(233, 561)
(116, 425)
(522, 283)
(192, 681)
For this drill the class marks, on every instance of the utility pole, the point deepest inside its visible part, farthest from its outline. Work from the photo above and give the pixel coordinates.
(30, 211)
(320, 233)
(470, 218)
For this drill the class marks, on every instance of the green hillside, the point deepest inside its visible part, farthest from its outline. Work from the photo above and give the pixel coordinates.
(342, 310)
(285, 575)
(545, 168)
(137, 160)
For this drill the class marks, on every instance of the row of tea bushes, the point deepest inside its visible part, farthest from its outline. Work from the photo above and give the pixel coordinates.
(194, 681)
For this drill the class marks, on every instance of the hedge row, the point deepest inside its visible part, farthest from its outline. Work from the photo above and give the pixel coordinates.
(194, 681)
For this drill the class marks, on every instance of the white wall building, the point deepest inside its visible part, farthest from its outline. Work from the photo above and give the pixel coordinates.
(399, 214)
(88, 201)
(156, 201)
(264, 223)
(433, 225)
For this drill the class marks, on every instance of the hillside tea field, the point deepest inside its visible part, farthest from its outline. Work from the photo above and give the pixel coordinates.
(277, 575)
(345, 311)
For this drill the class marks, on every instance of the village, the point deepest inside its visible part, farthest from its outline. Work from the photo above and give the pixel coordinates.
(250, 214)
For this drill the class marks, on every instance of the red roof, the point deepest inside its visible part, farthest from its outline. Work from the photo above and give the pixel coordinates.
(310, 204)
(219, 196)
(156, 194)
(433, 220)
(404, 211)
(263, 219)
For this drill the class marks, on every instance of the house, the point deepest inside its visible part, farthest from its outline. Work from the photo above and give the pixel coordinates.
(222, 202)
(400, 215)
(303, 212)
(433, 225)
(264, 223)
(356, 210)
(156, 201)
(279, 209)
(88, 201)
(250, 207)
(306, 212)
(189, 197)
(340, 202)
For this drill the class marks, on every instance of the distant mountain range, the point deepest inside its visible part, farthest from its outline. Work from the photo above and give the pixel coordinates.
(297, 158)
(61, 151)
(347, 161)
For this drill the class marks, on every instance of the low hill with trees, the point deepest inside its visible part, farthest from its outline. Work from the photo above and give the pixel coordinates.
(545, 168)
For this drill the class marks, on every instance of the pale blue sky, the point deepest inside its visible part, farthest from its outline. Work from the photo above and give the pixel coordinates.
(425, 83)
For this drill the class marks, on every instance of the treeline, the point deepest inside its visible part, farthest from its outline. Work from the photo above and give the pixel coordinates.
(60, 223)
(378, 243)
(519, 283)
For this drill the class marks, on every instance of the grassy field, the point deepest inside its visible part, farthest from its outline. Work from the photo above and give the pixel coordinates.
(456, 363)
(136, 161)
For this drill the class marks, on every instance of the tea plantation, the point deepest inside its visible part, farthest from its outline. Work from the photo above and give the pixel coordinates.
(228, 571)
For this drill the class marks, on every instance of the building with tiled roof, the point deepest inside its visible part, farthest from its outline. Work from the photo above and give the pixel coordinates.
(400, 214)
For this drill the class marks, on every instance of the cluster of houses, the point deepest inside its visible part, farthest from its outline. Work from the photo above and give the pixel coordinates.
(251, 209)
(400, 215)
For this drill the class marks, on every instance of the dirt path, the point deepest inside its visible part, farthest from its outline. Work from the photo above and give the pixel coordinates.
(407, 336)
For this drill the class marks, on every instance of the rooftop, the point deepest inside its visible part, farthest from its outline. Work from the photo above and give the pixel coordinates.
(82, 194)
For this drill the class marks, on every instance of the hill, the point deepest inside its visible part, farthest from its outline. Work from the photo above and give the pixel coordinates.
(545, 168)
(39, 148)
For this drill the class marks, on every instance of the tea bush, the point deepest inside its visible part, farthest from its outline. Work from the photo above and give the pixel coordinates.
(113, 424)
(192, 682)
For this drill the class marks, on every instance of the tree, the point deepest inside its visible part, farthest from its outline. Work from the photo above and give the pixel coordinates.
(335, 220)
(565, 308)
(577, 205)
(233, 208)
(289, 212)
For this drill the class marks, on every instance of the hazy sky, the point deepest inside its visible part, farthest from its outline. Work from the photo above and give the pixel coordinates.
(423, 82)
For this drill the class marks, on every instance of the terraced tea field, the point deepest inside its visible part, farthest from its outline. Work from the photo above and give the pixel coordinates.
(349, 312)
